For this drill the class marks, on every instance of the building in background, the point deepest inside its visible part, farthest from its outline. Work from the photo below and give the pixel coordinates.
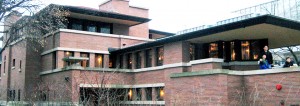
(110, 56)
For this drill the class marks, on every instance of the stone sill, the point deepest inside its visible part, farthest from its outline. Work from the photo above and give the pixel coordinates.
(232, 72)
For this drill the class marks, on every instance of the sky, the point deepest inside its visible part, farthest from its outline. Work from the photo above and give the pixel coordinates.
(175, 15)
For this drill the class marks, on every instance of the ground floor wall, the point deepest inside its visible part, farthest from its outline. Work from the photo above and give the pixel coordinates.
(236, 90)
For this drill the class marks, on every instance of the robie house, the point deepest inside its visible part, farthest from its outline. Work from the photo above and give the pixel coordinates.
(110, 57)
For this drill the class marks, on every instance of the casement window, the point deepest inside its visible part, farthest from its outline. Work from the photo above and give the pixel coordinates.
(68, 54)
(148, 92)
(160, 93)
(121, 61)
(160, 56)
(129, 61)
(148, 58)
(54, 60)
(99, 60)
(14, 62)
(138, 60)
(85, 63)
(213, 50)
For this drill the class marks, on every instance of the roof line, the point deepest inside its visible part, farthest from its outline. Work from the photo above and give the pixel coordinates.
(269, 19)
(161, 32)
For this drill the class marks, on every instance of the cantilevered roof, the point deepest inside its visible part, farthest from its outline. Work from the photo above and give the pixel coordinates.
(280, 32)
(101, 15)
(160, 32)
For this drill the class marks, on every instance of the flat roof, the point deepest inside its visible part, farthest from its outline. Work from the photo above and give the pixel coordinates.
(106, 15)
(243, 24)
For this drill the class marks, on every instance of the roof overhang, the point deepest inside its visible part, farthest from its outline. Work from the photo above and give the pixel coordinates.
(281, 32)
(104, 16)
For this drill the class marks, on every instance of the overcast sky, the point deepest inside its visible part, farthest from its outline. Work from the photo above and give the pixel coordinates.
(176, 15)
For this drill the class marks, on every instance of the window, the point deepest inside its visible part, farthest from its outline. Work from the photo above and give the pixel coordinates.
(20, 65)
(245, 47)
(92, 28)
(14, 62)
(68, 54)
(121, 61)
(150, 36)
(12, 95)
(85, 63)
(138, 94)
(213, 50)
(19, 95)
(160, 56)
(99, 60)
(76, 25)
(54, 60)
(224, 51)
(0, 69)
(148, 92)
(105, 28)
(232, 51)
(129, 61)
(255, 49)
(130, 95)
(192, 51)
(160, 93)
(4, 64)
(148, 59)
(138, 60)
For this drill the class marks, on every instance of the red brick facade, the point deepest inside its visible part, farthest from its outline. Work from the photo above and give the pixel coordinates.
(178, 80)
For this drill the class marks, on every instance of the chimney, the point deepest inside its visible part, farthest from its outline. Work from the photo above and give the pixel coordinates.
(117, 6)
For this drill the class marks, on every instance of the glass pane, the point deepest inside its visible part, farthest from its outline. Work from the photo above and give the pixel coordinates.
(255, 49)
(76, 26)
(232, 51)
(213, 50)
(160, 56)
(91, 28)
(192, 52)
(138, 60)
(105, 28)
(129, 61)
(148, 58)
(84, 63)
(99, 60)
(245, 46)
(224, 51)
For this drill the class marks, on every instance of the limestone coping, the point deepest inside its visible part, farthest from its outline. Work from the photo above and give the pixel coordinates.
(233, 72)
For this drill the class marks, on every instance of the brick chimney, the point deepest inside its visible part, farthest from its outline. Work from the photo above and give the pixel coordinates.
(123, 7)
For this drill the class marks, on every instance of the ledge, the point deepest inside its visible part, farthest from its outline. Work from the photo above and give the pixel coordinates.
(86, 69)
(75, 50)
(208, 60)
(232, 72)
(144, 102)
(104, 34)
(122, 85)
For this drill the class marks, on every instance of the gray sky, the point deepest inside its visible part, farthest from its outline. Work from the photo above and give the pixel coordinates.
(176, 15)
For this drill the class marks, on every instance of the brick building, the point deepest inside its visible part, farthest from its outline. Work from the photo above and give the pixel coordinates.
(109, 55)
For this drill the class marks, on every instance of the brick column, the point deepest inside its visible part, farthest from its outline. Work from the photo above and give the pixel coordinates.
(105, 61)
(143, 62)
(154, 94)
(154, 55)
(133, 60)
(143, 94)
(60, 56)
(92, 60)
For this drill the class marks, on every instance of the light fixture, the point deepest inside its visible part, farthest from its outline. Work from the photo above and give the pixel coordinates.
(130, 93)
(161, 93)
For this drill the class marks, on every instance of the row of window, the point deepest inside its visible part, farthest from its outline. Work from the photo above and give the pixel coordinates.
(13, 96)
(13, 65)
(124, 94)
(238, 50)
(91, 26)
(147, 55)
(83, 63)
